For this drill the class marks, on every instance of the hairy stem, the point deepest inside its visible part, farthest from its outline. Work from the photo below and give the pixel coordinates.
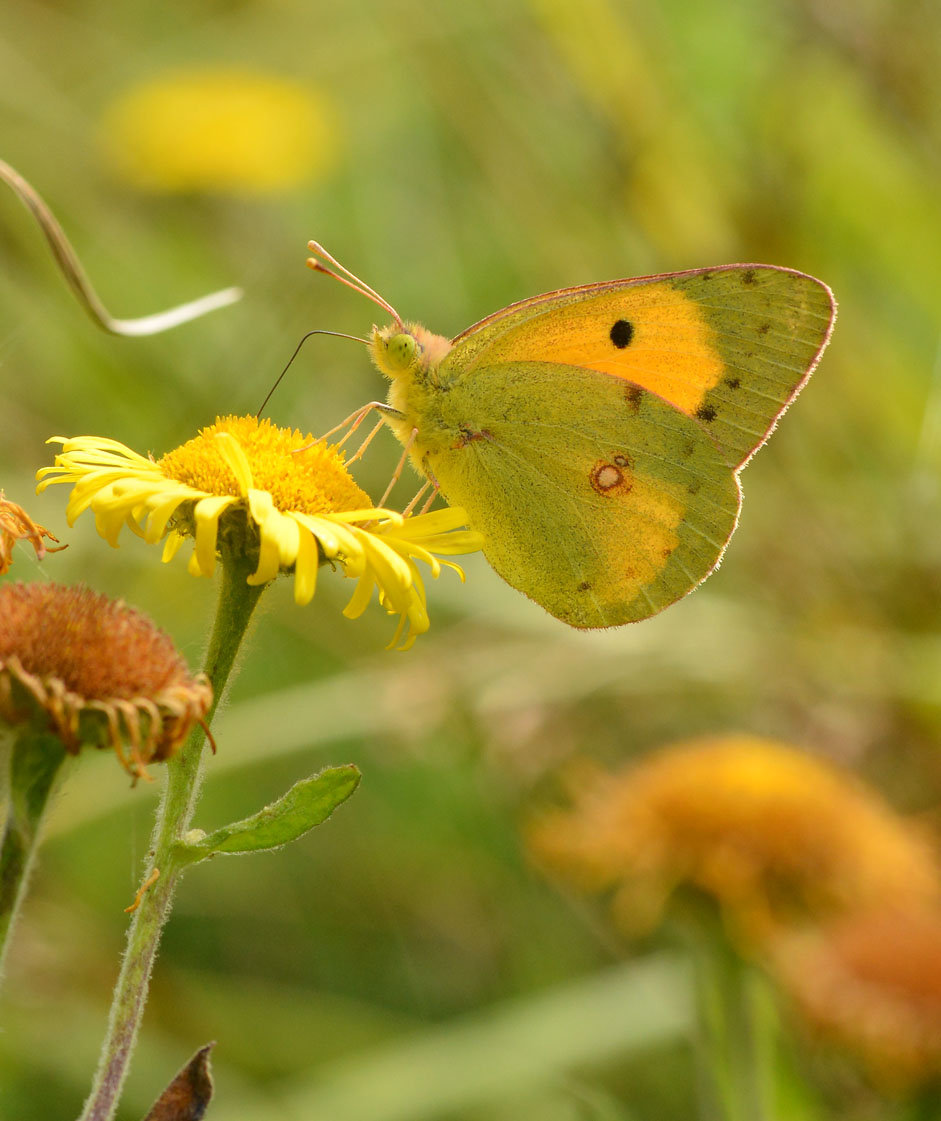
(237, 600)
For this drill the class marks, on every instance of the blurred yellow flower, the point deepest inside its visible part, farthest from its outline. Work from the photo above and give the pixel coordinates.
(283, 500)
(871, 984)
(96, 672)
(772, 834)
(219, 130)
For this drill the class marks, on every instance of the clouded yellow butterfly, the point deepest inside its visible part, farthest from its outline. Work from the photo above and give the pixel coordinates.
(595, 435)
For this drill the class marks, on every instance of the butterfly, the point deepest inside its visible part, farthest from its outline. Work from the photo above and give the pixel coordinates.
(595, 435)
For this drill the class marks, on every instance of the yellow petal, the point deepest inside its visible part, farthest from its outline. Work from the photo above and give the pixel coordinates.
(206, 518)
(306, 568)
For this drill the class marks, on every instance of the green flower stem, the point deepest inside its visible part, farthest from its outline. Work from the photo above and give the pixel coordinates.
(237, 600)
(732, 1056)
(924, 1106)
(31, 760)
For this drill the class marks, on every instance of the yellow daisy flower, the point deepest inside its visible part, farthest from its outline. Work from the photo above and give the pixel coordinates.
(219, 129)
(245, 487)
(96, 672)
(772, 834)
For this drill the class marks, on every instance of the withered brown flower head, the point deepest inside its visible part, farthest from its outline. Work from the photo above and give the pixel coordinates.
(96, 672)
(17, 525)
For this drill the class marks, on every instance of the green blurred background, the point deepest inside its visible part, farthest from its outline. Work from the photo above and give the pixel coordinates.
(406, 962)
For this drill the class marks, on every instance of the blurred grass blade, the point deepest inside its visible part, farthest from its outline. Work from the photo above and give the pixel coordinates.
(521, 1046)
(68, 262)
(308, 803)
(595, 1103)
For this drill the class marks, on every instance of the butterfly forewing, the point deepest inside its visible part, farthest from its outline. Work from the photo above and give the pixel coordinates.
(729, 346)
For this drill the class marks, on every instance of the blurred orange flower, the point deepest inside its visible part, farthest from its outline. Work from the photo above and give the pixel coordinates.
(772, 834)
(871, 983)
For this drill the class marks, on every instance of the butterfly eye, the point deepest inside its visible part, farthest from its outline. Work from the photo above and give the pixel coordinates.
(402, 349)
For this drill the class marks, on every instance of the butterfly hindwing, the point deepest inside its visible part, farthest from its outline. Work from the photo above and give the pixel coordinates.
(596, 498)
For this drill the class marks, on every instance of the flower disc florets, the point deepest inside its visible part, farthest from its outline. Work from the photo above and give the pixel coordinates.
(283, 501)
(96, 672)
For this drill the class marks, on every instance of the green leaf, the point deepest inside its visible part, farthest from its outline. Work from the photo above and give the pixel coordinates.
(30, 762)
(308, 803)
(37, 757)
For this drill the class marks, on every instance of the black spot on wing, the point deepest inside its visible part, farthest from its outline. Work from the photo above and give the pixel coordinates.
(706, 413)
(621, 334)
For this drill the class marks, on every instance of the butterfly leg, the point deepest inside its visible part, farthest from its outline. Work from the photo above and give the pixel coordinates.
(397, 473)
(435, 490)
(364, 445)
(432, 482)
(417, 498)
(379, 407)
(431, 497)
(353, 421)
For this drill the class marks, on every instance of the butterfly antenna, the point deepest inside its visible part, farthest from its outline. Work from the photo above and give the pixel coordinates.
(297, 350)
(351, 280)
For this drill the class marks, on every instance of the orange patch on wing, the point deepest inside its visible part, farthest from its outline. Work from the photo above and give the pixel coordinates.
(671, 349)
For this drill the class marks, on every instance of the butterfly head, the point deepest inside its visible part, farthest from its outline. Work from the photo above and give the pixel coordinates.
(403, 349)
